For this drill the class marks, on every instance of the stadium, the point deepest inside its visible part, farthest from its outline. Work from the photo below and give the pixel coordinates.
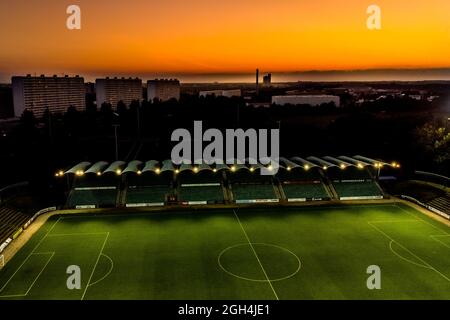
(155, 230)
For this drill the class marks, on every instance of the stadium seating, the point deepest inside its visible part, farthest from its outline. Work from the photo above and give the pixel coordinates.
(202, 187)
(153, 182)
(357, 190)
(301, 185)
(253, 192)
(304, 191)
(92, 197)
(201, 193)
(10, 221)
(441, 203)
(148, 189)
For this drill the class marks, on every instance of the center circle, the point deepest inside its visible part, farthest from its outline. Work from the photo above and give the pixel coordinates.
(259, 262)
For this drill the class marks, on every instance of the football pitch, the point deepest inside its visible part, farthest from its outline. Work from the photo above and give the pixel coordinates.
(271, 253)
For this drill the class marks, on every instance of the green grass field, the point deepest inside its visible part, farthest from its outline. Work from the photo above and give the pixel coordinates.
(272, 253)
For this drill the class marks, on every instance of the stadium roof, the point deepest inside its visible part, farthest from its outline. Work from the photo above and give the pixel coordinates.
(98, 167)
(151, 165)
(137, 166)
(133, 166)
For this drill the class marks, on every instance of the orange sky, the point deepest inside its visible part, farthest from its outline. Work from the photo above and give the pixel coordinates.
(221, 36)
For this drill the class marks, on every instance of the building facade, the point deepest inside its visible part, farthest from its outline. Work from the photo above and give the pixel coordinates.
(113, 90)
(312, 100)
(221, 93)
(36, 94)
(163, 89)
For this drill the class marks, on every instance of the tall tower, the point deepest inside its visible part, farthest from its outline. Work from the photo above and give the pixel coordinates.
(257, 81)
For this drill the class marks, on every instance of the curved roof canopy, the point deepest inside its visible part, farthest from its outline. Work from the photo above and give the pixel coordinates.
(167, 165)
(133, 166)
(151, 165)
(357, 163)
(306, 164)
(371, 161)
(78, 169)
(97, 168)
(136, 166)
(339, 162)
(323, 163)
(116, 167)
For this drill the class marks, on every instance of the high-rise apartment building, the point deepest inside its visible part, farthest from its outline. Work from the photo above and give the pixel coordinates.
(113, 90)
(163, 89)
(55, 93)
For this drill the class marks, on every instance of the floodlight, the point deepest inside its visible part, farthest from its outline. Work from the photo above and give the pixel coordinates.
(342, 166)
(325, 167)
(252, 169)
(158, 170)
(288, 168)
(195, 169)
(233, 168)
(306, 167)
(214, 170)
(139, 172)
(118, 172)
(99, 173)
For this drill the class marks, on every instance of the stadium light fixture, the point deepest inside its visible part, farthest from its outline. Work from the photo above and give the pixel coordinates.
(158, 170)
(288, 168)
(306, 167)
(99, 173)
(270, 168)
(177, 171)
(139, 172)
(233, 168)
(195, 169)
(342, 166)
(325, 168)
(214, 170)
(360, 166)
(79, 173)
(118, 172)
(252, 169)
(395, 164)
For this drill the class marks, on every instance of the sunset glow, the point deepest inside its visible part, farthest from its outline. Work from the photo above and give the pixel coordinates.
(206, 36)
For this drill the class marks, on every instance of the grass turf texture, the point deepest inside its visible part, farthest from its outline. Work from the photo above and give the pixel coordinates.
(250, 254)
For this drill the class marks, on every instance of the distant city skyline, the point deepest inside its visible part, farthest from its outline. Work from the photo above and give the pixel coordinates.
(185, 39)
(277, 77)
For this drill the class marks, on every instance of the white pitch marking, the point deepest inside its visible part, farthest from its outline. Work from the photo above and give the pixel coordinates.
(412, 253)
(95, 266)
(256, 255)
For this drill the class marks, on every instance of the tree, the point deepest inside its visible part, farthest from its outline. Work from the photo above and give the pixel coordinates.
(434, 139)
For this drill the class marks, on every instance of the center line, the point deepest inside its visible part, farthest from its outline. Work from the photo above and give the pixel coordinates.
(257, 258)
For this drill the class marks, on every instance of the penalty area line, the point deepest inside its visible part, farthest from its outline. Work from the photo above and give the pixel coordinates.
(95, 266)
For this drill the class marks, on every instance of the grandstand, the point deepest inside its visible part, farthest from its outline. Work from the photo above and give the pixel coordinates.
(300, 180)
(10, 221)
(351, 178)
(94, 185)
(137, 184)
(247, 185)
(200, 184)
(150, 186)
